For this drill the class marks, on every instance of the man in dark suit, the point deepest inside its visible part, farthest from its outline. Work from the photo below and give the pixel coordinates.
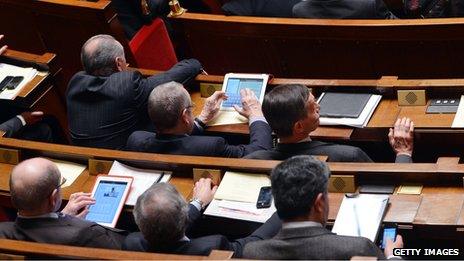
(178, 132)
(349, 9)
(265, 8)
(299, 187)
(161, 215)
(107, 102)
(35, 192)
(293, 113)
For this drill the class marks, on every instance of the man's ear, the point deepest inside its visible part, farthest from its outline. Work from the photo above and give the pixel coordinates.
(52, 199)
(319, 204)
(185, 117)
(120, 64)
(298, 128)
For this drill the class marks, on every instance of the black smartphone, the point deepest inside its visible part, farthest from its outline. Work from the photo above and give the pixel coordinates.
(389, 232)
(264, 198)
(5, 82)
(14, 82)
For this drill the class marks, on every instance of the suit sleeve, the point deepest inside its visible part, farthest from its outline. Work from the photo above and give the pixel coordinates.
(382, 10)
(260, 139)
(101, 237)
(182, 72)
(193, 216)
(403, 159)
(266, 231)
(11, 127)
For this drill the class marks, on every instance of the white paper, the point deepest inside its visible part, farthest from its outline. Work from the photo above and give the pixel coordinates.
(69, 170)
(458, 121)
(243, 187)
(239, 210)
(11, 70)
(143, 179)
(227, 118)
(361, 216)
(359, 122)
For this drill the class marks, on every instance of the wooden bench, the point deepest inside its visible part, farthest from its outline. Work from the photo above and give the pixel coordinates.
(323, 48)
(14, 249)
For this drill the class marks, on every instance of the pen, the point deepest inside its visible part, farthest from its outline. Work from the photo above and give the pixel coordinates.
(159, 178)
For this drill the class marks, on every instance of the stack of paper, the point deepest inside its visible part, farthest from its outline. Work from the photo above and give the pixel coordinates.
(11, 70)
(361, 215)
(69, 170)
(227, 117)
(143, 179)
(359, 122)
(237, 195)
(458, 121)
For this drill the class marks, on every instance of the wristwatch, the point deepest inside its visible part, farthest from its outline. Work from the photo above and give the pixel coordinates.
(197, 200)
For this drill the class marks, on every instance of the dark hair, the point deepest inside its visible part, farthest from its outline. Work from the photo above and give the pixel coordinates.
(161, 214)
(284, 105)
(296, 183)
(165, 105)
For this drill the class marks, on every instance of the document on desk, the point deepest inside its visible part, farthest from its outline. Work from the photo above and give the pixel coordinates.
(227, 118)
(361, 216)
(242, 187)
(11, 70)
(361, 121)
(239, 210)
(143, 179)
(69, 170)
(458, 121)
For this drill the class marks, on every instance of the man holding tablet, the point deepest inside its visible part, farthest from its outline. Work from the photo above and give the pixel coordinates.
(179, 132)
(35, 192)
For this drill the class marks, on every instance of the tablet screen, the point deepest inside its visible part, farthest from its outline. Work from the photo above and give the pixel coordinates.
(233, 87)
(108, 196)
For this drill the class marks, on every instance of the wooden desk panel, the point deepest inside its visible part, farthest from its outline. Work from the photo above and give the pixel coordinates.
(402, 208)
(439, 209)
(385, 114)
(423, 120)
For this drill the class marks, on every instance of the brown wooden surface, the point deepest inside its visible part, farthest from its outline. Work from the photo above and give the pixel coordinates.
(31, 249)
(323, 48)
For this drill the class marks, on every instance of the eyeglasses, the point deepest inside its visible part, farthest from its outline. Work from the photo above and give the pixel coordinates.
(62, 181)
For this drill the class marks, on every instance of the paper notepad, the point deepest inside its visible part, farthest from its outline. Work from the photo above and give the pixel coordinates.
(227, 117)
(143, 179)
(11, 70)
(69, 170)
(243, 187)
(410, 189)
(458, 121)
(361, 216)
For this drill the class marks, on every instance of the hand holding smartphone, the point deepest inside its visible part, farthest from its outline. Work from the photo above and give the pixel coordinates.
(389, 232)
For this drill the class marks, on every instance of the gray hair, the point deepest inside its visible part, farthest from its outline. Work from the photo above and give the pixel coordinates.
(30, 197)
(161, 215)
(98, 55)
(166, 103)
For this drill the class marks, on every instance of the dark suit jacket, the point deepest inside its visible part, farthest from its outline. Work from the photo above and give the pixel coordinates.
(260, 138)
(11, 127)
(65, 229)
(104, 111)
(335, 152)
(354, 9)
(204, 245)
(311, 243)
(266, 8)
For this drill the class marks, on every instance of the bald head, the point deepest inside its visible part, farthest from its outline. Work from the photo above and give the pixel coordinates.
(32, 182)
(99, 55)
(166, 103)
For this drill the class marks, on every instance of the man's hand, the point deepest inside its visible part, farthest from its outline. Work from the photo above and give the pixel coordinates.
(250, 104)
(78, 202)
(402, 136)
(203, 191)
(212, 105)
(390, 245)
(32, 117)
(3, 48)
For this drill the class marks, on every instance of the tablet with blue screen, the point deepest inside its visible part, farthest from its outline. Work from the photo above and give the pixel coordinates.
(110, 194)
(234, 82)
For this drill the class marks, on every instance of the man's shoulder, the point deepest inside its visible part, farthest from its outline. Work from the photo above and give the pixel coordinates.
(204, 245)
(265, 155)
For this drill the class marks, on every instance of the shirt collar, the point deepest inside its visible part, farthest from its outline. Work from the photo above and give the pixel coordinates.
(300, 224)
(47, 215)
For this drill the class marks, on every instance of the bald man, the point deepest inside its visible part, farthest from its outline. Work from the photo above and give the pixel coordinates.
(35, 191)
(107, 102)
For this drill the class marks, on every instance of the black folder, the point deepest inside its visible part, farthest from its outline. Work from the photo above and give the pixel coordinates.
(343, 105)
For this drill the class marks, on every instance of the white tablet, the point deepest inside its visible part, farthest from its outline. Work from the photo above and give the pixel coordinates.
(110, 194)
(234, 82)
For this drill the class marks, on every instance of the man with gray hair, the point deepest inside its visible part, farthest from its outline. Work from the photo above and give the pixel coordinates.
(35, 186)
(161, 215)
(107, 102)
(179, 132)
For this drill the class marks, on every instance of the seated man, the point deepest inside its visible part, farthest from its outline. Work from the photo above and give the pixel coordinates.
(161, 214)
(170, 109)
(299, 187)
(350, 9)
(35, 192)
(108, 102)
(293, 113)
(265, 8)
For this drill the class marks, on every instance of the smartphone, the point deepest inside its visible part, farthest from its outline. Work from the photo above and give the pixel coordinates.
(264, 198)
(5, 82)
(14, 82)
(389, 232)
